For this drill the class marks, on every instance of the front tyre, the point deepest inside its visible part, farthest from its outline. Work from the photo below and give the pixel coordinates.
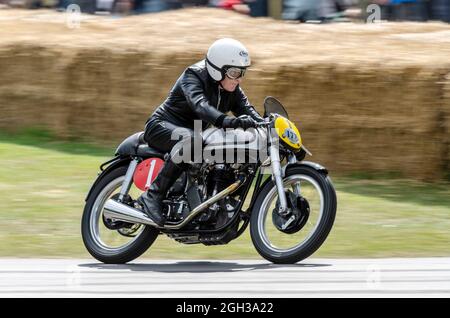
(113, 246)
(290, 239)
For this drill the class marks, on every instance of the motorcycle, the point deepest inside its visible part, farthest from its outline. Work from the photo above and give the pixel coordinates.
(291, 209)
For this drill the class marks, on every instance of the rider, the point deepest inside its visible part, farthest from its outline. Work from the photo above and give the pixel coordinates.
(206, 91)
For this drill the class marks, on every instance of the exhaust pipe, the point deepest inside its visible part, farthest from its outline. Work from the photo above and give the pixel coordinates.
(122, 212)
(125, 213)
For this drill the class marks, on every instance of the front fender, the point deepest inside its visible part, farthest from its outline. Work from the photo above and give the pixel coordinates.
(116, 162)
(310, 164)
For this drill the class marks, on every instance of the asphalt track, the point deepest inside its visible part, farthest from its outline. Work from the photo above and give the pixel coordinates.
(394, 277)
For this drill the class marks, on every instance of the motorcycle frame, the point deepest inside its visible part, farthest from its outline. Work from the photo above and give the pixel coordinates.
(239, 215)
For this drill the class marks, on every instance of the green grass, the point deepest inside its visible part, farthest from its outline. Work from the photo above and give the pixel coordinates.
(42, 138)
(43, 183)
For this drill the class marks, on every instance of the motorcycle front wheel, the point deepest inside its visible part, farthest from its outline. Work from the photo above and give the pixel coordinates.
(294, 237)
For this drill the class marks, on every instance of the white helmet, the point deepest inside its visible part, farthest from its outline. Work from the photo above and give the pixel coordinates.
(225, 53)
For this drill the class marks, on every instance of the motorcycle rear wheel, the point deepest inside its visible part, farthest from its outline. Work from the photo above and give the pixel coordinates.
(92, 221)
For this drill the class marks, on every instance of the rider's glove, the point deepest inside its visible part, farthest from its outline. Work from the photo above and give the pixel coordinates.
(243, 121)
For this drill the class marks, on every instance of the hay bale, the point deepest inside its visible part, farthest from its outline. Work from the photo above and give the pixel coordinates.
(367, 97)
(354, 120)
(445, 120)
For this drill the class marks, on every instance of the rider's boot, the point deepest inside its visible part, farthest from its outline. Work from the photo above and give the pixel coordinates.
(151, 200)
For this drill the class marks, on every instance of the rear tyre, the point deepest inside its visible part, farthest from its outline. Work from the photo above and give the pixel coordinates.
(93, 217)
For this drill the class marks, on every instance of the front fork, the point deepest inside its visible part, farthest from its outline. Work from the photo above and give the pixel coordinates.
(277, 175)
(292, 160)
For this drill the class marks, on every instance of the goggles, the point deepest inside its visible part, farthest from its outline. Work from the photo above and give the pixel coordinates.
(235, 72)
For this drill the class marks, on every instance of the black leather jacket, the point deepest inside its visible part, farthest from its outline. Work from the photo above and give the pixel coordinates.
(196, 95)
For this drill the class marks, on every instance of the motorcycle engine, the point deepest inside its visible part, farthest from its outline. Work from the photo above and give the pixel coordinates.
(176, 210)
(218, 179)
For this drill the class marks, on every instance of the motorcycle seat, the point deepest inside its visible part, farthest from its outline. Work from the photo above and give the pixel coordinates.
(135, 145)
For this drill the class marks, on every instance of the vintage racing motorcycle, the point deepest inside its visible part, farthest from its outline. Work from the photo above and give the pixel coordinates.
(291, 208)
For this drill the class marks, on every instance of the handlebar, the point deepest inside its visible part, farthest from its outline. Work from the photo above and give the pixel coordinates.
(263, 124)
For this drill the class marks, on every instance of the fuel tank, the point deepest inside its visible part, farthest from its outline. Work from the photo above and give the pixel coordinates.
(250, 144)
